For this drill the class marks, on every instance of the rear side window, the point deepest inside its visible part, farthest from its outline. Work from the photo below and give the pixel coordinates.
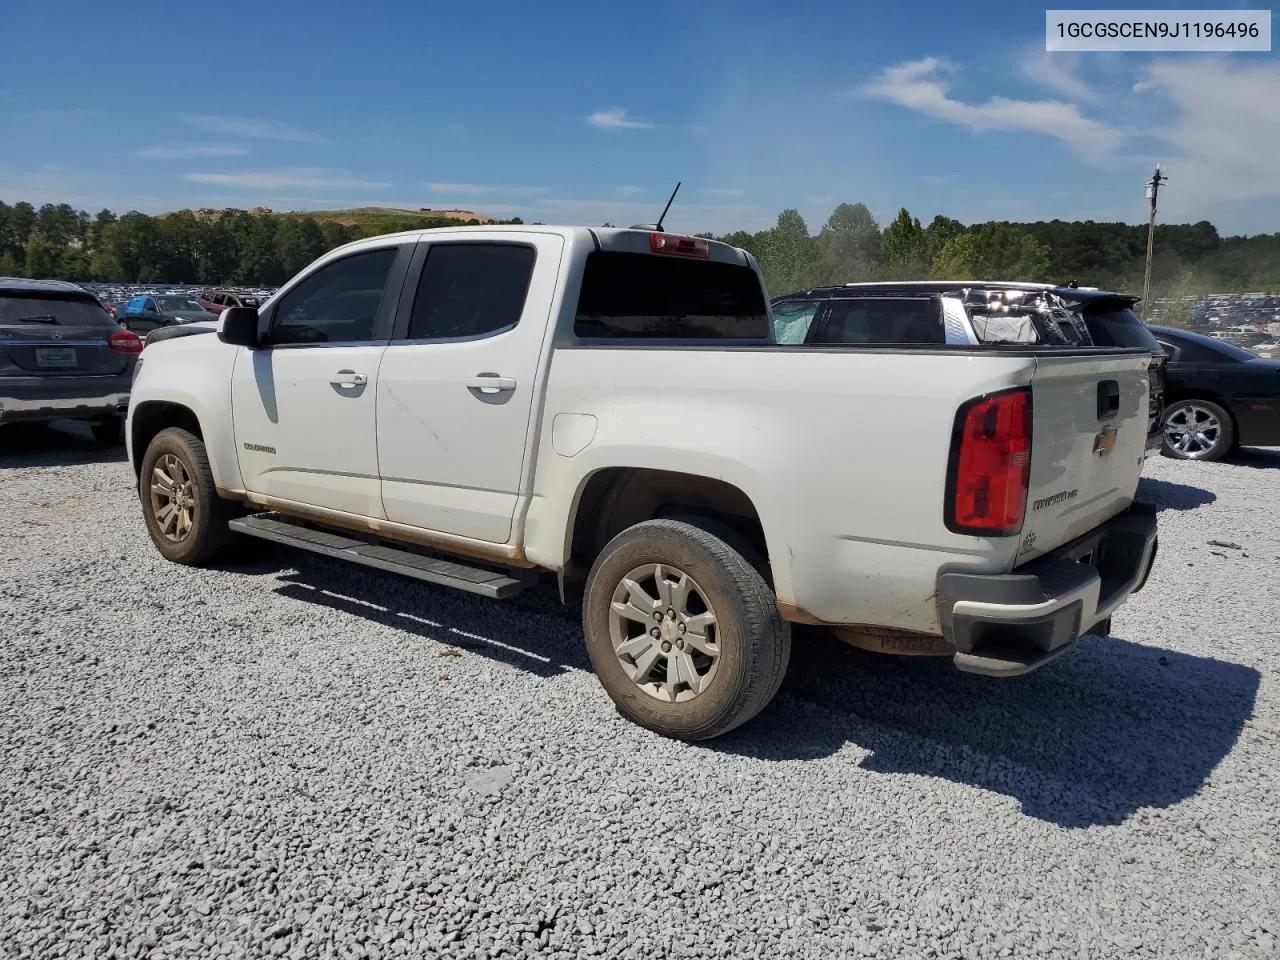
(1118, 327)
(24, 308)
(654, 297)
(791, 321)
(471, 290)
(884, 320)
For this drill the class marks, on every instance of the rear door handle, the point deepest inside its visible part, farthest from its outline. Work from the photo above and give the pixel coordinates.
(349, 378)
(490, 383)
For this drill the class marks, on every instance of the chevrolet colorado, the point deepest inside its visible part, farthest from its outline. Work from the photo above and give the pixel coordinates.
(472, 407)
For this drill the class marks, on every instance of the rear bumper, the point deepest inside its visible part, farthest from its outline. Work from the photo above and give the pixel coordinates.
(1008, 624)
(63, 398)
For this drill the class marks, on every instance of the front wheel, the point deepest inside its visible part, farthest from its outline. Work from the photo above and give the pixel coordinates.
(185, 516)
(683, 632)
(1197, 430)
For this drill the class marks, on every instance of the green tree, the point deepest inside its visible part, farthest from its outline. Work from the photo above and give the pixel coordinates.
(9, 266)
(906, 247)
(787, 254)
(298, 241)
(42, 257)
(850, 244)
(958, 259)
(24, 222)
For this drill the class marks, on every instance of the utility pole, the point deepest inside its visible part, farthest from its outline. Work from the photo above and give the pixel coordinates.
(1153, 190)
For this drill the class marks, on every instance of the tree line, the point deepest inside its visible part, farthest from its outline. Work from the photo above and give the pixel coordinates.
(850, 247)
(58, 241)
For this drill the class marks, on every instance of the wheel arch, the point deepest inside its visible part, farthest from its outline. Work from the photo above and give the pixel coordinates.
(611, 499)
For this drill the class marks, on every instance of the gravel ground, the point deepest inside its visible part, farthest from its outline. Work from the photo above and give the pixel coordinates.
(300, 758)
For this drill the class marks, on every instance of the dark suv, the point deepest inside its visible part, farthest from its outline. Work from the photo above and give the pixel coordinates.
(62, 357)
(994, 313)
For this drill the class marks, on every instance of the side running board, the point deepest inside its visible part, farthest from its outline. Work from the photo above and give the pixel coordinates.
(445, 573)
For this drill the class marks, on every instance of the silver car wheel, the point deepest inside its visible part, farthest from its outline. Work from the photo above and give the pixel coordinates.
(664, 634)
(1193, 431)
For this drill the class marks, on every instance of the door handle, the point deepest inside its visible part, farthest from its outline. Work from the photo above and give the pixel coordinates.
(490, 383)
(348, 378)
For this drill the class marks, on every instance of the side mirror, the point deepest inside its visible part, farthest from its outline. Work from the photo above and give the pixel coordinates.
(239, 327)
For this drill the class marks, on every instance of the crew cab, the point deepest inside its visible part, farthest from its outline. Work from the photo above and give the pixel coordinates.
(476, 406)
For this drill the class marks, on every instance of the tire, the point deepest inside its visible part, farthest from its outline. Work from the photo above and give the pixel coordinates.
(750, 640)
(207, 536)
(1214, 438)
(108, 433)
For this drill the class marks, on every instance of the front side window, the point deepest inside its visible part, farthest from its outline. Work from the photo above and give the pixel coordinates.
(884, 320)
(179, 304)
(470, 290)
(337, 303)
(791, 321)
(650, 296)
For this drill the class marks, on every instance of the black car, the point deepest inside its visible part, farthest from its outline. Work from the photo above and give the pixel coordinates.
(939, 312)
(1219, 397)
(145, 313)
(62, 357)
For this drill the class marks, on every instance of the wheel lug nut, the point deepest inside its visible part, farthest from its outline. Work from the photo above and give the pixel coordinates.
(655, 633)
(666, 647)
(671, 614)
(657, 615)
(679, 644)
(682, 628)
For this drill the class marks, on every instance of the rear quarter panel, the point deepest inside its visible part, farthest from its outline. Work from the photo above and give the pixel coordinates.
(843, 453)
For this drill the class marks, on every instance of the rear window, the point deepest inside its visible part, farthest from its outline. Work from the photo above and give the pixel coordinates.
(1113, 326)
(647, 296)
(52, 309)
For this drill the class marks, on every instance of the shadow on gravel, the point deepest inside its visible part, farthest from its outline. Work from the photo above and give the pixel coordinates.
(1088, 740)
(531, 632)
(1259, 458)
(1166, 495)
(58, 445)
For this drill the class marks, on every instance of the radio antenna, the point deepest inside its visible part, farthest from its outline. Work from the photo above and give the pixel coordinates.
(670, 200)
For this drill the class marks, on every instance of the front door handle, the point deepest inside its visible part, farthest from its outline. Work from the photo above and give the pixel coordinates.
(348, 379)
(490, 383)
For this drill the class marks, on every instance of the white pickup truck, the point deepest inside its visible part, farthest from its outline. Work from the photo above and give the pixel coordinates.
(475, 406)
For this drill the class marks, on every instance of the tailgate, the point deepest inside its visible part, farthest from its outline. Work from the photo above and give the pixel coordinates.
(1088, 441)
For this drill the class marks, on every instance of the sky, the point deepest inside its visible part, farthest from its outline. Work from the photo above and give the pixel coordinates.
(571, 112)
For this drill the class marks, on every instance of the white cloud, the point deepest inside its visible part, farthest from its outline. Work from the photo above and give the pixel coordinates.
(1058, 72)
(1227, 133)
(254, 128)
(723, 192)
(304, 178)
(184, 151)
(917, 86)
(616, 118)
(482, 189)
(628, 191)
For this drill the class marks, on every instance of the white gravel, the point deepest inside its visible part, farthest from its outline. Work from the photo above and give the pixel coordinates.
(304, 759)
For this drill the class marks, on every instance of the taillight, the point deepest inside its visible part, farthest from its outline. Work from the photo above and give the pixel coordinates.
(681, 246)
(990, 467)
(126, 341)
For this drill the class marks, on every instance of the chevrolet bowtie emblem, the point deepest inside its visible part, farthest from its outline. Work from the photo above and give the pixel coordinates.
(1104, 441)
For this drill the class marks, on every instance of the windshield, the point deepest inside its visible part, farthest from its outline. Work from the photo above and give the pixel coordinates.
(645, 296)
(58, 309)
(176, 304)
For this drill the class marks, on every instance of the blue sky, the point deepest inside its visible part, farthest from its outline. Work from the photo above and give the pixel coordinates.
(589, 112)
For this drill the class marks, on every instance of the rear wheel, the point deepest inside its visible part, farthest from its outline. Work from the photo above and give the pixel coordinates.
(683, 632)
(1197, 430)
(186, 518)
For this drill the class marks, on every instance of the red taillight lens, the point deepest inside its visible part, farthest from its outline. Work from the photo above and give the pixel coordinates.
(990, 465)
(681, 246)
(126, 341)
